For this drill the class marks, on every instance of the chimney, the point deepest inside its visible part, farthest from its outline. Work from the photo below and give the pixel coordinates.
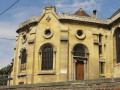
(94, 13)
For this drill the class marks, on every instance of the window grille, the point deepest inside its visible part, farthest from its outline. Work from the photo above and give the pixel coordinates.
(24, 56)
(47, 58)
(79, 51)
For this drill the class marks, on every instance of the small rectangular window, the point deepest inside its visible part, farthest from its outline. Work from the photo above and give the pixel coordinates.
(100, 37)
(21, 83)
(100, 49)
(101, 67)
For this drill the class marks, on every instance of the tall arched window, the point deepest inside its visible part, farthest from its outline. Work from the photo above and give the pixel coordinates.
(24, 57)
(79, 50)
(117, 37)
(47, 57)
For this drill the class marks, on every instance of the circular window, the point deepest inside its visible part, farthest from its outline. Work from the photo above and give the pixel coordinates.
(48, 33)
(80, 34)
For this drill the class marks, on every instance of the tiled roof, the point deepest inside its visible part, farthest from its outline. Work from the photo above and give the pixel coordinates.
(81, 12)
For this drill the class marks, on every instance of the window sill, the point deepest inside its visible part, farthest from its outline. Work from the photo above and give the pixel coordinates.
(100, 43)
(117, 64)
(80, 57)
(102, 60)
(22, 75)
(46, 72)
(101, 56)
(103, 75)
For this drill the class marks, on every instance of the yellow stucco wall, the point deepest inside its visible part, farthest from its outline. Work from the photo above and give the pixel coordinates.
(63, 40)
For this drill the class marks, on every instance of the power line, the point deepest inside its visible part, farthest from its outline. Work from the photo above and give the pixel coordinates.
(9, 7)
(8, 39)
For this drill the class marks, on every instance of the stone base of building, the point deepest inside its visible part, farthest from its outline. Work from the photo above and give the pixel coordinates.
(97, 84)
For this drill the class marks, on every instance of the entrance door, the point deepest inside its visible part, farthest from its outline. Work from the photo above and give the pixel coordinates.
(79, 70)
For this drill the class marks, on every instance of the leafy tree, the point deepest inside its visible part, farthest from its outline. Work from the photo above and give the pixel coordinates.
(4, 74)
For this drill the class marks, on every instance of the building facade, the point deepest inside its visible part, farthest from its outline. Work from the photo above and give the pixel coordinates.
(65, 47)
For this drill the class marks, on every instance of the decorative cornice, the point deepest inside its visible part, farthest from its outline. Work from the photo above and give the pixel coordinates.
(63, 16)
(29, 21)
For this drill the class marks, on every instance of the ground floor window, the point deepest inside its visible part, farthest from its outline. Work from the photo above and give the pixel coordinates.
(102, 67)
(47, 57)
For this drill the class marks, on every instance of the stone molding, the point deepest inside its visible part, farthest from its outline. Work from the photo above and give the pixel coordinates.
(104, 84)
(82, 36)
(29, 21)
(83, 18)
(64, 16)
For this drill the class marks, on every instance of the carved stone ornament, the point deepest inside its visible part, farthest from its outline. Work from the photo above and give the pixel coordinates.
(48, 18)
(24, 38)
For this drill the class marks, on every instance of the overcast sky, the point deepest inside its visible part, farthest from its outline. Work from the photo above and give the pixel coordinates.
(25, 9)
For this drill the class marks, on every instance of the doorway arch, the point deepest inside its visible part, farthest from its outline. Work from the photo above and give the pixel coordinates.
(80, 61)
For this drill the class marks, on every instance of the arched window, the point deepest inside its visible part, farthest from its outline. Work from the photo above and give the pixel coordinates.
(79, 50)
(24, 56)
(47, 57)
(117, 37)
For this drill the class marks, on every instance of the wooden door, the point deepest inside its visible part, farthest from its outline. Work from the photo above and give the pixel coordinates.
(79, 70)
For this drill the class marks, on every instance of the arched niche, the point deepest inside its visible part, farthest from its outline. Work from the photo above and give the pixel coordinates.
(116, 45)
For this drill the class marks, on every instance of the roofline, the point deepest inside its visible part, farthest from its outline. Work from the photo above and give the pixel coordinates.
(117, 12)
(63, 16)
(84, 19)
